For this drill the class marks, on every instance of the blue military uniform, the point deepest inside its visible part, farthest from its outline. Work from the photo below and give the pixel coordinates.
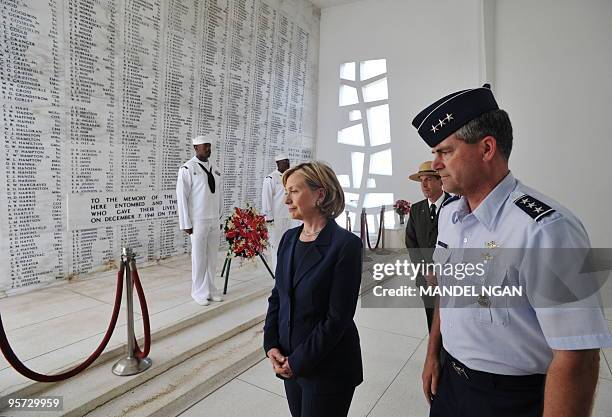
(500, 347)
(513, 338)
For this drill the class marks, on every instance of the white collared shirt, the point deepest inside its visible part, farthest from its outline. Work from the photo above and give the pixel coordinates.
(515, 336)
(438, 203)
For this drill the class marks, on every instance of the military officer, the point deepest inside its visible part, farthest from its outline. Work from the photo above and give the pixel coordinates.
(199, 190)
(274, 207)
(505, 357)
(422, 227)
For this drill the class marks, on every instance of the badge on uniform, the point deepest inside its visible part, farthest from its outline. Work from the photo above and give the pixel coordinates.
(491, 245)
(486, 256)
(484, 300)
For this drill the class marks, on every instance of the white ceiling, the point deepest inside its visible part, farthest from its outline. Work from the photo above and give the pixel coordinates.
(330, 3)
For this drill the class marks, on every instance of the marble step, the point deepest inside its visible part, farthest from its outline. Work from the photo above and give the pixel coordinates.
(55, 329)
(171, 347)
(177, 389)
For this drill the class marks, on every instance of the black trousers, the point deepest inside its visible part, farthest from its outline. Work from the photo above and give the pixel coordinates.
(305, 403)
(463, 392)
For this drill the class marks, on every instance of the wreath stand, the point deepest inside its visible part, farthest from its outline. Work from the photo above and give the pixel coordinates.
(228, 264)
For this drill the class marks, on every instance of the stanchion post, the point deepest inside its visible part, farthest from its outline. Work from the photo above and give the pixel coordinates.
(130, 365)
(363, 230)
(382, 225)
(364, 235)
(361, 227)
(348, 220)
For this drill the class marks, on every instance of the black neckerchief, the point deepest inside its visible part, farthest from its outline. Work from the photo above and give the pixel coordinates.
(211, 178)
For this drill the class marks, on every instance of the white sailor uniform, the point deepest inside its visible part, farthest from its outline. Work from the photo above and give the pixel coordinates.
(274, 208)
(200, 209)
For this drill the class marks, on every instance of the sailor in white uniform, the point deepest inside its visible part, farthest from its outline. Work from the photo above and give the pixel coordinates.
(199, 192)
(274, 207)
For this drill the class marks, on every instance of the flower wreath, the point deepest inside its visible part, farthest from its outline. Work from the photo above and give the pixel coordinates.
(246, 232)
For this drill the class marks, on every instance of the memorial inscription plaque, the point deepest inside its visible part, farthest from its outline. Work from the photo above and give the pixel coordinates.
(99, 102)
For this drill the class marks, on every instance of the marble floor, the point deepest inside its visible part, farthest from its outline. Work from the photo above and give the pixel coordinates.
(394, 344)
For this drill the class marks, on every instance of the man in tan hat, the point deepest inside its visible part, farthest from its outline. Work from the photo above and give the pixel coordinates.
(422, 227)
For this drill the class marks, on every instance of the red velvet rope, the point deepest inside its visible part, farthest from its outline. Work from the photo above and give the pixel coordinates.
(14, 361)
(380, 228)
(141, 354)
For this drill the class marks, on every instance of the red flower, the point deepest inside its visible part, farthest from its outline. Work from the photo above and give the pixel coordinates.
(402, 207)
(246, 232)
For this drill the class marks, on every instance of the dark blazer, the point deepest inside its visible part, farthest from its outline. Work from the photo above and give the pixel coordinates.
(310, 316)
(421, 233)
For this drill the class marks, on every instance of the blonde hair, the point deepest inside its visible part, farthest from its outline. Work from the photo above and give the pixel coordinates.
(317, 175)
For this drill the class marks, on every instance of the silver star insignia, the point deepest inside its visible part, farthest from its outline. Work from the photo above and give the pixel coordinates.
(531, 205)
(524, 201)
(539, 209)
(449, 117)
(441, 122)
(434, 128)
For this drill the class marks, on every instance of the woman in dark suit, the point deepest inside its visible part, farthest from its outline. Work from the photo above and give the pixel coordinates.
(309, 335)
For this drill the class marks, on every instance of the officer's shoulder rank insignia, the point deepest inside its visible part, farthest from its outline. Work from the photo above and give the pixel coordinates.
(450, 200)
(185, 167)
(536, 209)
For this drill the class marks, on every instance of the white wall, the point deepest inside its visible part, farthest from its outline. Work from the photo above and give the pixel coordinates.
(549, 62)
(100, 101)
(553, 61)
(427, 56)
